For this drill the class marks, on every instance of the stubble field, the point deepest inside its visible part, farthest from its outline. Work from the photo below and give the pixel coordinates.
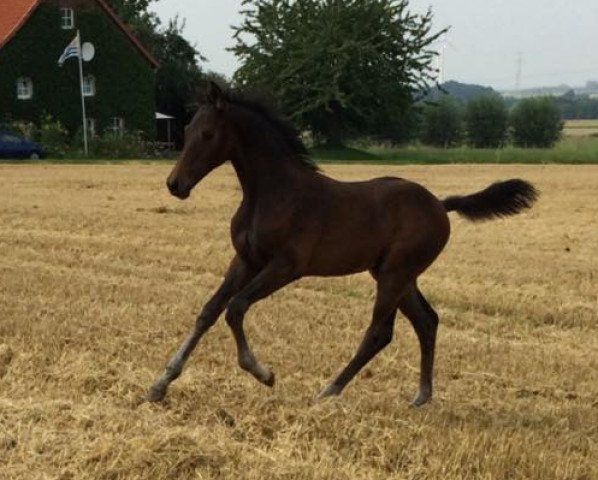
(581, 128)
(101, 274)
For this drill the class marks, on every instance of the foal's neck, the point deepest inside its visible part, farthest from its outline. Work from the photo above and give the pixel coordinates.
(262, 175)
(263, 163)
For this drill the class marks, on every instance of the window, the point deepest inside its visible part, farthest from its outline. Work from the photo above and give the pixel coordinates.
(91, 127)
(24, 88)
(67, 18)
(118, 126)
(89, 86)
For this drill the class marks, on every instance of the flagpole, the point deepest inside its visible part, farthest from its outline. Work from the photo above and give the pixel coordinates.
(82, 93)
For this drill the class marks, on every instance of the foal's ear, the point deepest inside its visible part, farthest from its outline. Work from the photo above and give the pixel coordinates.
(216, 96)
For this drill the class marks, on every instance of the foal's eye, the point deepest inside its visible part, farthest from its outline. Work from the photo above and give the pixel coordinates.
(206, 135)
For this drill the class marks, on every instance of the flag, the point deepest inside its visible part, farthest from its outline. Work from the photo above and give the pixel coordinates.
(72, 50)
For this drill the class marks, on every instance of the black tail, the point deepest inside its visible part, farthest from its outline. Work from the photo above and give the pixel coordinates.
(500, 199)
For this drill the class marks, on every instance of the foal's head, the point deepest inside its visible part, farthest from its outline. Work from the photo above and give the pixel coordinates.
(209, 141)
(234, 125)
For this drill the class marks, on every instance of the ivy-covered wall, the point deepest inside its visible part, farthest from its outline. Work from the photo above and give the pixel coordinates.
(125, 81)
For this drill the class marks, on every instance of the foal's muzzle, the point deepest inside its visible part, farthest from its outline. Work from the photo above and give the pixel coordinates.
(177, 189)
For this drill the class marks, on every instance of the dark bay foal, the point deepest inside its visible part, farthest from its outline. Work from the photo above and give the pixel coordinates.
(294, 221)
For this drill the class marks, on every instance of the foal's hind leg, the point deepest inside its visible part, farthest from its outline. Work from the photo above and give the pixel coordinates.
(378, 334)
(237, 276)
(425, 322)
(273, 277)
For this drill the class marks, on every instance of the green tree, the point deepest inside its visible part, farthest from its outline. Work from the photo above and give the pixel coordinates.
(442, 123)
(222, 80)
(574, 106)
(339, 68)
(536, 122)
(133, 12)
(179, 76)
(487, 121)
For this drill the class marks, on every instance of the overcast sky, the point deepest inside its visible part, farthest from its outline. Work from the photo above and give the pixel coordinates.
(557, 38)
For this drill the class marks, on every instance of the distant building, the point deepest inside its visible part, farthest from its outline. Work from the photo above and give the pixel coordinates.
(119, 82)
(590, 89)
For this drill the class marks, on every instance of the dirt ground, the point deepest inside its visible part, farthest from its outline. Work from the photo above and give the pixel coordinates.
(102, 273)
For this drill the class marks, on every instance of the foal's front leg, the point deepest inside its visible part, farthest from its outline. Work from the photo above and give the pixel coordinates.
(274, 276)
(237, 276)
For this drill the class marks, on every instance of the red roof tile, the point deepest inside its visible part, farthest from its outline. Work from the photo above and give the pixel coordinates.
(14, 14)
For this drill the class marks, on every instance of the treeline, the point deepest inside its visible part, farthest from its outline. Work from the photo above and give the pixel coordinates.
(573, 107)
(487, 122)
(357, 69)
(343, 70)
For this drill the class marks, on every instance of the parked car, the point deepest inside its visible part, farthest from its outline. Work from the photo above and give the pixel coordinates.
(14, 146)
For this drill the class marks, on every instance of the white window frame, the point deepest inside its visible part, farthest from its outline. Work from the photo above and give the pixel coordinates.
(91, 127)
(117, 126)
(89, 86)
(24, 88)
(67, 18)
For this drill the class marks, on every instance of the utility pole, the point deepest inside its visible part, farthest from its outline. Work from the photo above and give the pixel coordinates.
(518, 71)
(441, 63)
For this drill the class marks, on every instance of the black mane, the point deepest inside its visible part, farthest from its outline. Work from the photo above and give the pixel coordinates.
(281, 127)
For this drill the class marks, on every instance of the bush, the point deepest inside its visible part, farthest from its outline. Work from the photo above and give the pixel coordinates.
(53, 136)
(27, 130)
(486, 120)
(536, 122)
(112, 145)
(442, 123)
(49, 133)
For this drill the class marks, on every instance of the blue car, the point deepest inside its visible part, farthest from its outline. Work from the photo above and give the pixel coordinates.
(14, 146)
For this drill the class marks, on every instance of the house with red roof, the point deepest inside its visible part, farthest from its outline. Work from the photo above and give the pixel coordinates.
(119, 73)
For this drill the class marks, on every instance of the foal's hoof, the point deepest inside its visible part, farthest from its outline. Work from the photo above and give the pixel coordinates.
(328, 391)
(155, 394)
(421, 399)
(269, 380)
